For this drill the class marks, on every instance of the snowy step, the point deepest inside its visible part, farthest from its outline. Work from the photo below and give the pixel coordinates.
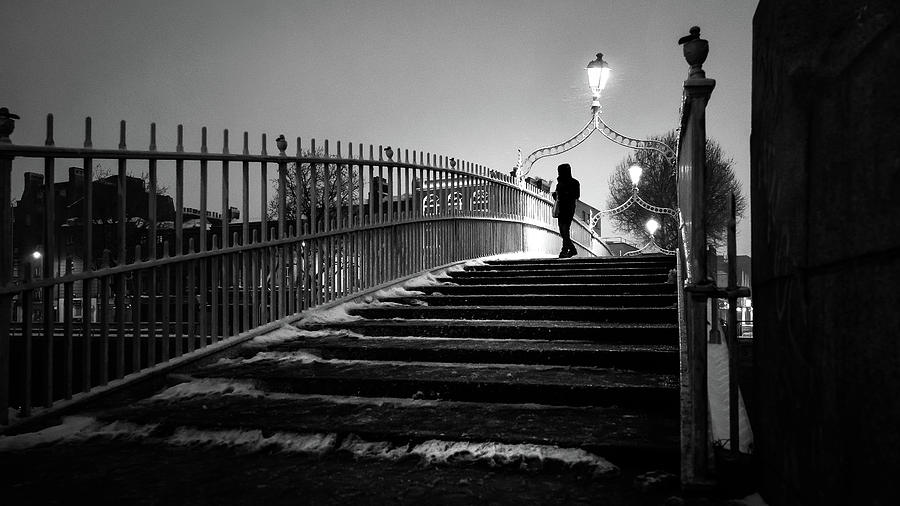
(638, 300)
(644, 259)
(301, 372)
(563, 288)
(644, 333)
(584, 279)
(243, 469)
(660, 358)
(564, 266)
(554, 313)
(608, 431)
(489, 271)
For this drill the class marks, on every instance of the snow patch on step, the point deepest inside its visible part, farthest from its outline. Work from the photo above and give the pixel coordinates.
(521, 255)
(336, 314)
(427, 279)
(330, 333)
(208, 386)
(394, 291)
(305, 357)
(75, 428)
(524, 456)
(302, 357)
(254, 440)
(280, 335)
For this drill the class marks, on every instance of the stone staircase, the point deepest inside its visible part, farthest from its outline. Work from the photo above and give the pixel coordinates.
(547, 366)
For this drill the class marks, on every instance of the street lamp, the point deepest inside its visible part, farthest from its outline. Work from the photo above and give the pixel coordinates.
(598, 75)
(36, 255)
(635, 172)
(652, 226)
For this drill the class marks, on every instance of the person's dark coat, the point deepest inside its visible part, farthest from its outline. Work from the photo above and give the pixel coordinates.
(568, 191)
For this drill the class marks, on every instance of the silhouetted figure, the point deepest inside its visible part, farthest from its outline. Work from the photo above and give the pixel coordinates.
(568, 190)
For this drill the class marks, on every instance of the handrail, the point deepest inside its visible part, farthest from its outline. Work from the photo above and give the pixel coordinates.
(330, 221)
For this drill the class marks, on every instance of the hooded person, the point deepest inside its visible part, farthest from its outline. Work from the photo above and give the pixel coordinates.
(568, 191)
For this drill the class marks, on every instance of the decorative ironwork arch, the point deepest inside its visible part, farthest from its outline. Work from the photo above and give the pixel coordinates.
(596, 123)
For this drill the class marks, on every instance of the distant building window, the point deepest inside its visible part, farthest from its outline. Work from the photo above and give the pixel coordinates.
(455, 201)
(431, 204)
(480, 200)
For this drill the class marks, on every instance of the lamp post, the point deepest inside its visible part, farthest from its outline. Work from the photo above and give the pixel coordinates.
(635, 172)
(652, 226)
(598, 75)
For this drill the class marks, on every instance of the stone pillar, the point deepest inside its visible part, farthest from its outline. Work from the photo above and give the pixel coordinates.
(825, 189)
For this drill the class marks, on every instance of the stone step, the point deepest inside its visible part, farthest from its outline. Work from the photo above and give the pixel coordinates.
(489, 271)
(612, 432)
(639, 300)
(504, 383)
(656, 259)
(645, 333)
(548, 313)
(550, 289)
(582, 279)
(123, 470)
(567, 265)
(659, 358)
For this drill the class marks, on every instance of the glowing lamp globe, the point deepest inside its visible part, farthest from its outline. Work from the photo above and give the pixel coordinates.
(598, 74)
(652, 226)
(635, 172)
(36, 255)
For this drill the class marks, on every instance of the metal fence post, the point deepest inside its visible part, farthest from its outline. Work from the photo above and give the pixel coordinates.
(691, 170)
(6, 265)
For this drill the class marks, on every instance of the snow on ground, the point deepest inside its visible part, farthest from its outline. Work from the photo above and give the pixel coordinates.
(427, 279)
(752, 500)
(208, 386)
(75, 428)
(281, 356)
(304, 357)
(280, 335)
(717, 384)
(336, 314)
(329, 333)
(522, 255)
(431, 452)
(254, 440)
(435, 451)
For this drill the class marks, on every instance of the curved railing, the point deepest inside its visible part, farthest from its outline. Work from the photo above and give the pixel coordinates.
(108, 278)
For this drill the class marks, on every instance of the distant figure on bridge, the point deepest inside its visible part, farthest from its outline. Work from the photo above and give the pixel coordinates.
(568, 191)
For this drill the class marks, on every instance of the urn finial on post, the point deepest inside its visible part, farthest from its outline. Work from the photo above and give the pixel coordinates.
(695, 52)
(7, 124)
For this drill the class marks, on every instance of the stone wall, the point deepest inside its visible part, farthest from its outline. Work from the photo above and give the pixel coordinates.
(825, 155)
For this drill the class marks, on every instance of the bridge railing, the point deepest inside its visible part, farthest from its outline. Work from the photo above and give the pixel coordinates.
(105, 277)
(698, 292)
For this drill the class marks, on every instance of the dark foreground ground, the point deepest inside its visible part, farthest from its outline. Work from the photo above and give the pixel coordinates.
(117, 472)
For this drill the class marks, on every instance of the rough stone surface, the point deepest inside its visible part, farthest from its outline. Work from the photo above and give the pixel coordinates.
(825, 185)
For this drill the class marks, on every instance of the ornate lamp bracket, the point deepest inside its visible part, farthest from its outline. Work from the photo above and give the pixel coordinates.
(595, 124)
(638, 144)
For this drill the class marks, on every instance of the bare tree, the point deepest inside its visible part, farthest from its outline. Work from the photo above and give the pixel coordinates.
(658, 188)
(336, 185)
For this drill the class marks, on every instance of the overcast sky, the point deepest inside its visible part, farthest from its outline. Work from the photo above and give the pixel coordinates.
(474, 79)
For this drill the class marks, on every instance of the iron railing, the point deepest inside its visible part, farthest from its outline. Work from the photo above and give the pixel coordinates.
(104, 278)
(698, 293)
